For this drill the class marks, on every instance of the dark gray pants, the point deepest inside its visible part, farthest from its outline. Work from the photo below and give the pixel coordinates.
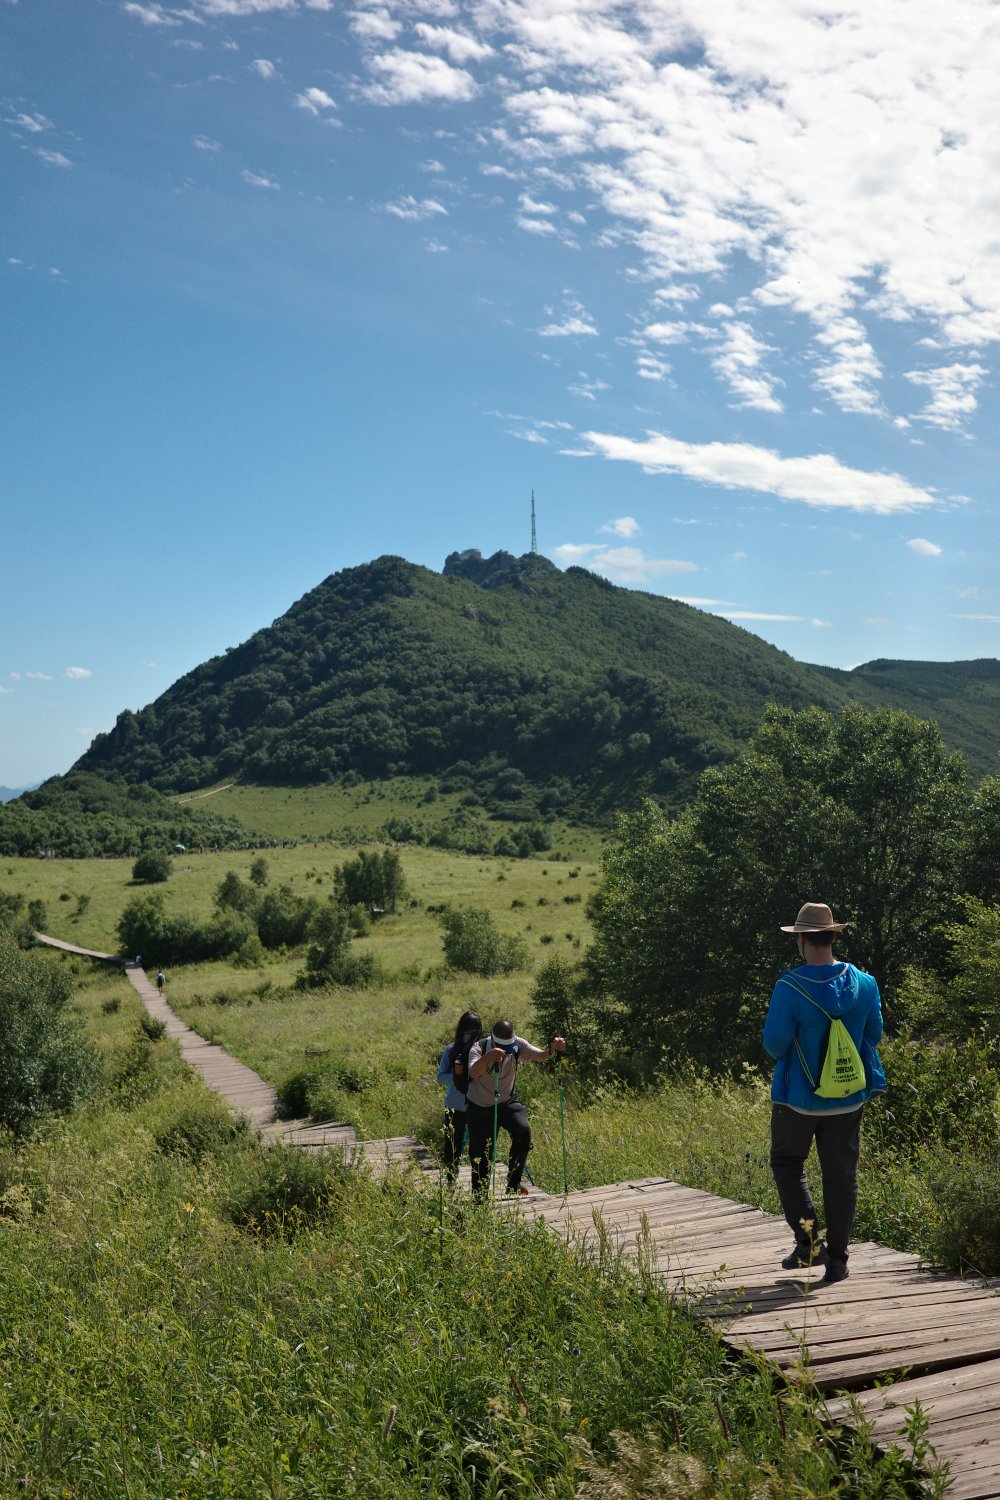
(838, 1141)
(512, 1117)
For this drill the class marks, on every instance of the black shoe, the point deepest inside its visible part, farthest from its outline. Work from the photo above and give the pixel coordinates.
(805, 1254)
(836, 1270)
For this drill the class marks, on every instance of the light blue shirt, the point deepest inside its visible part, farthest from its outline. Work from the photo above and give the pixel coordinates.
(452, 1099)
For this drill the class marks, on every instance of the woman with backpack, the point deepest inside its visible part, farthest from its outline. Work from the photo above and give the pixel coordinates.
(453, 1070)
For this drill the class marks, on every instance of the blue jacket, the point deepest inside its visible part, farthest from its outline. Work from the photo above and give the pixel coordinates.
(842, 990)
(452, 1099)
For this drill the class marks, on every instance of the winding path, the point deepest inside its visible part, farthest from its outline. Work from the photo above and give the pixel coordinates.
(937, 1335)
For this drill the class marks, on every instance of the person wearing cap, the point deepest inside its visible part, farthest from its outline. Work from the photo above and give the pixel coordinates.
(493, 1064)
(795, 1033)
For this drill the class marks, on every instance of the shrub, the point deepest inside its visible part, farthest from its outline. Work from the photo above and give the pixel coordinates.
(193, 1131)
(281, 1189)
(46, 1063)
(153, 1027)
(250, 953)
(945, 1093)
(474, 944)
(965, 1231)
(153, 867)
(133, 1076)
(259, 871)
(38, 917)
(112, 1005)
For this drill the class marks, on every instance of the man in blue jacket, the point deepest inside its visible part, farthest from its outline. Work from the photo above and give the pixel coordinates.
(803, 1003)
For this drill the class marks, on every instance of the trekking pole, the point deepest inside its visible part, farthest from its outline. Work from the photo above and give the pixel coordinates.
(562, 1123)
(496, 1107)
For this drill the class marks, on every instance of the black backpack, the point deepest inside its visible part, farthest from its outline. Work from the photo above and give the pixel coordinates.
(460, 1066)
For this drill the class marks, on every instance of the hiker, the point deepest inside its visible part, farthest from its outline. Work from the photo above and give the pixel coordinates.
(493, 1064)
(138, 961)
(453, 1070)
(800, 1029)
(160, 981)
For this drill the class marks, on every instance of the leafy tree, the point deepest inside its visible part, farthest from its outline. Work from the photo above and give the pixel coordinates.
(474, 943)
(235, 894)
(259, 871)
(373, 878)
(867, 812)
(153, 867)
(283, 918)
(46, 1063)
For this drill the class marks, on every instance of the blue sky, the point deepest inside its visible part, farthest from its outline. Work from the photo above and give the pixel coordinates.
(287, 284)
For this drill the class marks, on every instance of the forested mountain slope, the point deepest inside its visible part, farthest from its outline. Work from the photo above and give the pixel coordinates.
(504, 668)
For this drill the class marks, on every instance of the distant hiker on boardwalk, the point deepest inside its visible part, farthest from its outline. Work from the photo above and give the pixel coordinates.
(453, 1070)
(823, 1025)
(493, 1064)
(160, 981)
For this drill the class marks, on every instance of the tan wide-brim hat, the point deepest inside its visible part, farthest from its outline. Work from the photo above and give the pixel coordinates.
(815, 917)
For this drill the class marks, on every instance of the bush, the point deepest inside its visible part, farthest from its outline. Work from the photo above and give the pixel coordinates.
(259, 871)
(46, 1063)
(945, 1093)
(474, 944)
(134, 1076)
(112, 1006)
(152, 868)
(250, 953)
(281, 1189)
(153, 1027)
(193, 1131)
(965, 1231)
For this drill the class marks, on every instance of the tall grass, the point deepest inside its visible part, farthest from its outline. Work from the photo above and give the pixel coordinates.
(260, 1322)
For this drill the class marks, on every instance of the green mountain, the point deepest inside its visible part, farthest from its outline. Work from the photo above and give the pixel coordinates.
(535, 687)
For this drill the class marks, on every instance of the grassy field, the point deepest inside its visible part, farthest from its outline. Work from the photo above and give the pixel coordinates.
(185, 1316)
(353, 814)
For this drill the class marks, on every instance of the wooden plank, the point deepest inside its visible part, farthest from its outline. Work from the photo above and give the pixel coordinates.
(831, 1374)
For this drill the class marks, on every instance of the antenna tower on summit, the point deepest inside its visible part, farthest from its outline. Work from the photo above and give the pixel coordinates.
(534, 534)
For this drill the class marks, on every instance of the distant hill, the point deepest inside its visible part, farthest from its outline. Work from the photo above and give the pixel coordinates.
(535, 688)
(8, 793)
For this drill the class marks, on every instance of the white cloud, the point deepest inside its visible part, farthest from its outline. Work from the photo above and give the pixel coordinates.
(822, 624)
(33, 124)
(264, 68)
(879, 622)
(255, 180)
(245, 7)
(460, 47)
(577, 323)
(651, 367)
(435, 247)
(626, 526)
(531, 205)
(923, 547)
(416, 78)
(434, 166)
(953, 394)
(536, 226)
(753, 614)
(5, 689)
(315, 101)
(409, 207)
(39, 676)
(986, 619)
(739, 360)
(374, 25)
(54, 158)
(150, 15)
(621, 564)
(972, 592)
(14, 676)
(697, 602)
(203, 143)
(77, 673)
(819, 480)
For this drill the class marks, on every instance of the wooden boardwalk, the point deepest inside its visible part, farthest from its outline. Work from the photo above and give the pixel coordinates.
(891, 1317)
(937, 1336)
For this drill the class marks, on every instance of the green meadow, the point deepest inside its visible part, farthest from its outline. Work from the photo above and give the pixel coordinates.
(186, 1315)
